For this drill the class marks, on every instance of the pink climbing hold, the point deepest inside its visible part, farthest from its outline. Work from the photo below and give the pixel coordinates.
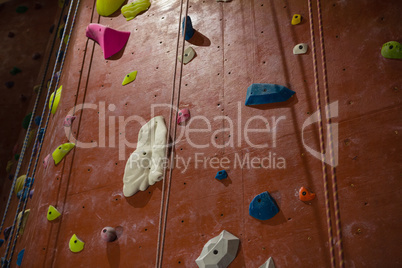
(183, 115)
(108, 234)
(46, 161)
(110, 40)
(68, 120)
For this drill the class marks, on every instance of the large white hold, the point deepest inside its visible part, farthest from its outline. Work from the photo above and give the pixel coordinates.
(269, 263)
(145, 165)
(219, 252)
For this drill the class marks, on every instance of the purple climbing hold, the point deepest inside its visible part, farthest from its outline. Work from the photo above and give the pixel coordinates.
(31, 193)
(9, 84)
(110, 40)
(7, 232)
(108, 234)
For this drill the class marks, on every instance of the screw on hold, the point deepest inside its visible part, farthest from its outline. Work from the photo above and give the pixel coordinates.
(215, 251)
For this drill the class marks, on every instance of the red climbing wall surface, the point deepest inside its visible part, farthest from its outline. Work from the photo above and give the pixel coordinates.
(237, 43)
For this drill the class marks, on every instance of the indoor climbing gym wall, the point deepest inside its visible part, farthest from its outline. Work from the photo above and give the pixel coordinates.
(201, 133)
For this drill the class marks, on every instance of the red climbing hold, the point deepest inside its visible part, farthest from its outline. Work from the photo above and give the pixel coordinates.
(305, 195)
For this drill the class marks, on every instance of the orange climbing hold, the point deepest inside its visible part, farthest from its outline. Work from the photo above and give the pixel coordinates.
(305, 195)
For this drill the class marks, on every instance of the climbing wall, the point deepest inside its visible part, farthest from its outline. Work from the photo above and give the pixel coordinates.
(262, 148)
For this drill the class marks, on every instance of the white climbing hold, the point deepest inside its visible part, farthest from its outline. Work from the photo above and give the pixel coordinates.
(300, 49)
(145, 165)
(219, 252)
(269, 263)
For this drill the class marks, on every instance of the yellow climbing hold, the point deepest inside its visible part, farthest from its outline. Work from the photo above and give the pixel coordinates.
(108, 7)
(76, 245)
(61, 3)
(31, 138)
(52, 213)
(9, 166)
(297, 18)
(66, 38)
(131, 10)
(129, 78)
(61, 152)
(56, 100)
(19, 184)
(24, 221)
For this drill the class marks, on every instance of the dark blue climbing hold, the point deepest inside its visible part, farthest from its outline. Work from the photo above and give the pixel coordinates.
(189, 28)
(60, 56)
(9, 84)
(11, 176)
(20, 256)
(263, 207)
(222, 174)
(51, 29)
(40, 136)
(1, 242)
(37, 120)
(6, 232)
(267, 93)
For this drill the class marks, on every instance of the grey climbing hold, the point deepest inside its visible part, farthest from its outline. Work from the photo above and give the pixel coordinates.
(300, 49)
(219, 252)
(189, 54)
(108, 234)
(267, 93)
(269, 263)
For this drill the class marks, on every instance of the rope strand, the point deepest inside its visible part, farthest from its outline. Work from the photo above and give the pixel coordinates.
(321, 136)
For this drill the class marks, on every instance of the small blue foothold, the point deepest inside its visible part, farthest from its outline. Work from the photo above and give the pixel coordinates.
(263, 207)
(1, 242)
(267, 93)
(20, 256)
(40, 136)
(222, 174)
(37, 120)
(189, 28)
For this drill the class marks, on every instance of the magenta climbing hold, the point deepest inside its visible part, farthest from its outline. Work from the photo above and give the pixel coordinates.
(183, 116)
(110, 40)
(68, 120)
(108, 234)
(46, 161)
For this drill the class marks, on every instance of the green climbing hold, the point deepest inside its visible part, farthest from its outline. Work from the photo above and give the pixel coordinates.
(16, 157)
(56, 100)
(52, 213)
(129, 78)
(108, 7)
(25, 122)
(61, 152)
(131, 10)
(392, 50)
(15, 71)
(21, 9)
(76, 245)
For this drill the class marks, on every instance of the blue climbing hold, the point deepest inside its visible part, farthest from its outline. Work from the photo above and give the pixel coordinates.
(222, 174)
(189, 28)
(20, 256)
(40, 136)
(7, 232)
(1, 242)
(38, 119)
(267, 93)
(263, 207)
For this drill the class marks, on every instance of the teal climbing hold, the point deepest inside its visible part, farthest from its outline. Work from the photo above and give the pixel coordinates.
(25, 122)
(20, 257)
(16, 157)
(21, 9)
(15, 70)
(392, 50)
(222, 174)
(267, 93)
